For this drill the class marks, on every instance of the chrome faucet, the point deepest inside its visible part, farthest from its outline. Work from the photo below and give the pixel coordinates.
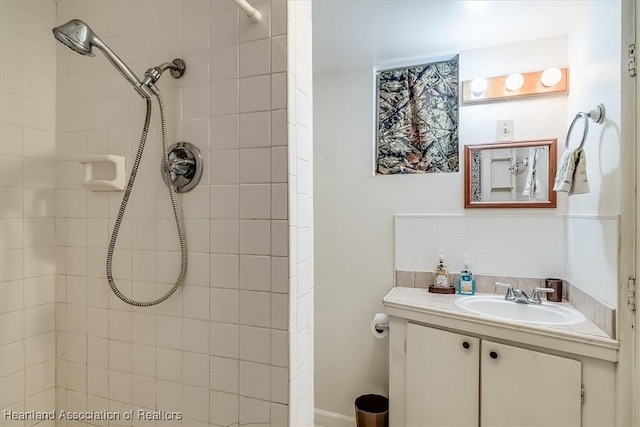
(518, 295)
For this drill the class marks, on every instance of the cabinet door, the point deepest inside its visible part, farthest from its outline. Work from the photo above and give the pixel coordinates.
(526, 388)
(442, 378)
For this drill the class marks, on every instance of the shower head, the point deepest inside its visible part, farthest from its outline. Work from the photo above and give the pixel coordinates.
(78, 36)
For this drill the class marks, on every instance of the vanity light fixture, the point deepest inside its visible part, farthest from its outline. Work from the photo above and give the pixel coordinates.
(478, 86)
(552, 81)
(551, 76)
(514, 82)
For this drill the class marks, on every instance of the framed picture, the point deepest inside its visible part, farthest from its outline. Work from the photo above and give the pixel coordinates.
(417, 119)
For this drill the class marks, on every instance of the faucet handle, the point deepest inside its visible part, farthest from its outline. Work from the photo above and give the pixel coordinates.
(509, 295)
(535, 296)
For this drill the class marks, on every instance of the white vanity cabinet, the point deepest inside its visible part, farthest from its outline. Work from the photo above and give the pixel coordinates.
(458, 380)
(443, 371)
(521, 387)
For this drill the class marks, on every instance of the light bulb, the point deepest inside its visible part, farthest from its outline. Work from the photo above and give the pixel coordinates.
(551, 76)
(478, 85)
(514, 82)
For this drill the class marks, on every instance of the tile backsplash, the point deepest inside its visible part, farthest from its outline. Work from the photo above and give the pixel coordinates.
(523, 246)
(484, 283)
(592, 255)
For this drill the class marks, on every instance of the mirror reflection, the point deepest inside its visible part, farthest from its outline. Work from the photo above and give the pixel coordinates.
(515, 174)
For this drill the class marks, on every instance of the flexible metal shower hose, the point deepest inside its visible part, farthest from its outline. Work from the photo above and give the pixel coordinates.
(174, 203)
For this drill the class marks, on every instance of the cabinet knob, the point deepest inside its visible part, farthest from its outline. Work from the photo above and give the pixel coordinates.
(466, 345)
(493, 355)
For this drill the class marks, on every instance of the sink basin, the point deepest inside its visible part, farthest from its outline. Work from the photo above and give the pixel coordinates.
(541, 314)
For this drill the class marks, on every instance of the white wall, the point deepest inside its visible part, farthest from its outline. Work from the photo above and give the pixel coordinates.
(354, 210)
(532, 119)
(595, 60)
(27, 204)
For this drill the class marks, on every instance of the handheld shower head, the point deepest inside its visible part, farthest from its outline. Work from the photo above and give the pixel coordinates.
(78, 36)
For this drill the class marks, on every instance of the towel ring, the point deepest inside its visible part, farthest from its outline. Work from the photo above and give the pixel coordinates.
(597, 115)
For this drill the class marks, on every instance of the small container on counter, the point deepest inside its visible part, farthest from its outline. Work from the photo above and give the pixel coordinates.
(466, 282)
(441, 280)
(556, 285)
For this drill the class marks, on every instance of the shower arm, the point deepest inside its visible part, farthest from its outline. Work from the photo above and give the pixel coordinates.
(152, 75)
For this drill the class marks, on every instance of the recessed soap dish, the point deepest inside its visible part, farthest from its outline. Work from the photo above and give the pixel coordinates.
(104, 172)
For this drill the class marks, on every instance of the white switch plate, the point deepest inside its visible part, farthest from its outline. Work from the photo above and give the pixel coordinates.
(505, 130)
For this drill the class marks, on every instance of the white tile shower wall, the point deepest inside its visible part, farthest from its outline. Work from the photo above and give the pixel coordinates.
(592, 255)
(526, 246)
(300, 154)
(218, 350)
(27, 225)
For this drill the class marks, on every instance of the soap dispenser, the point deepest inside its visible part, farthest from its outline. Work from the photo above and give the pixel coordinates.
(466, 283)
(441, 284)
(441, 274)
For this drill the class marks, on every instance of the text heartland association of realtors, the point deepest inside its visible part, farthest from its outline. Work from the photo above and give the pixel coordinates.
(139, 414)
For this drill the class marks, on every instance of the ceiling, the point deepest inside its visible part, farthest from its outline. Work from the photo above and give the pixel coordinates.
(350, 33)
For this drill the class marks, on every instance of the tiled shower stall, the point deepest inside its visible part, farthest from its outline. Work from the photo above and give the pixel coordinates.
(234, 345)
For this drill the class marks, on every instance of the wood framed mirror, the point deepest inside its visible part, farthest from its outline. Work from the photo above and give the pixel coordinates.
(517, 174)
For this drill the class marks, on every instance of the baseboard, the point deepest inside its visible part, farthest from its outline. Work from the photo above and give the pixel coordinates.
(330, 419)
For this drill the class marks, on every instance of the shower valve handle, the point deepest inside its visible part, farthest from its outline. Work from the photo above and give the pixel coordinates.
(180, 166)
(184, 164)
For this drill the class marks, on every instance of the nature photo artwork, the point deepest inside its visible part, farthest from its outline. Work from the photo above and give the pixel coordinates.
(417, 112)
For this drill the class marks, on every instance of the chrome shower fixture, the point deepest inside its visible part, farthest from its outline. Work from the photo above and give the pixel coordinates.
(78, 36)
(180, 170)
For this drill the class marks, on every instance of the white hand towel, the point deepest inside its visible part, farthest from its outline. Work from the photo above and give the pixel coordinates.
(564, 176)
(580, 182)
(572, 173)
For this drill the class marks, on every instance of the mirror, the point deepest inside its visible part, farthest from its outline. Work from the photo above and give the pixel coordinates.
(510, 174)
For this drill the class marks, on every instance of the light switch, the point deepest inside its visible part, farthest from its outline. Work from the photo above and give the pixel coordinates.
(505, 130)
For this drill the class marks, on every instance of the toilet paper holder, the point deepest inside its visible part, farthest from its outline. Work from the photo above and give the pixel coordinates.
(381, 327)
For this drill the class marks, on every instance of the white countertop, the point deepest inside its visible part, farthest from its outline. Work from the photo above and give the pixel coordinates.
(418, 305)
